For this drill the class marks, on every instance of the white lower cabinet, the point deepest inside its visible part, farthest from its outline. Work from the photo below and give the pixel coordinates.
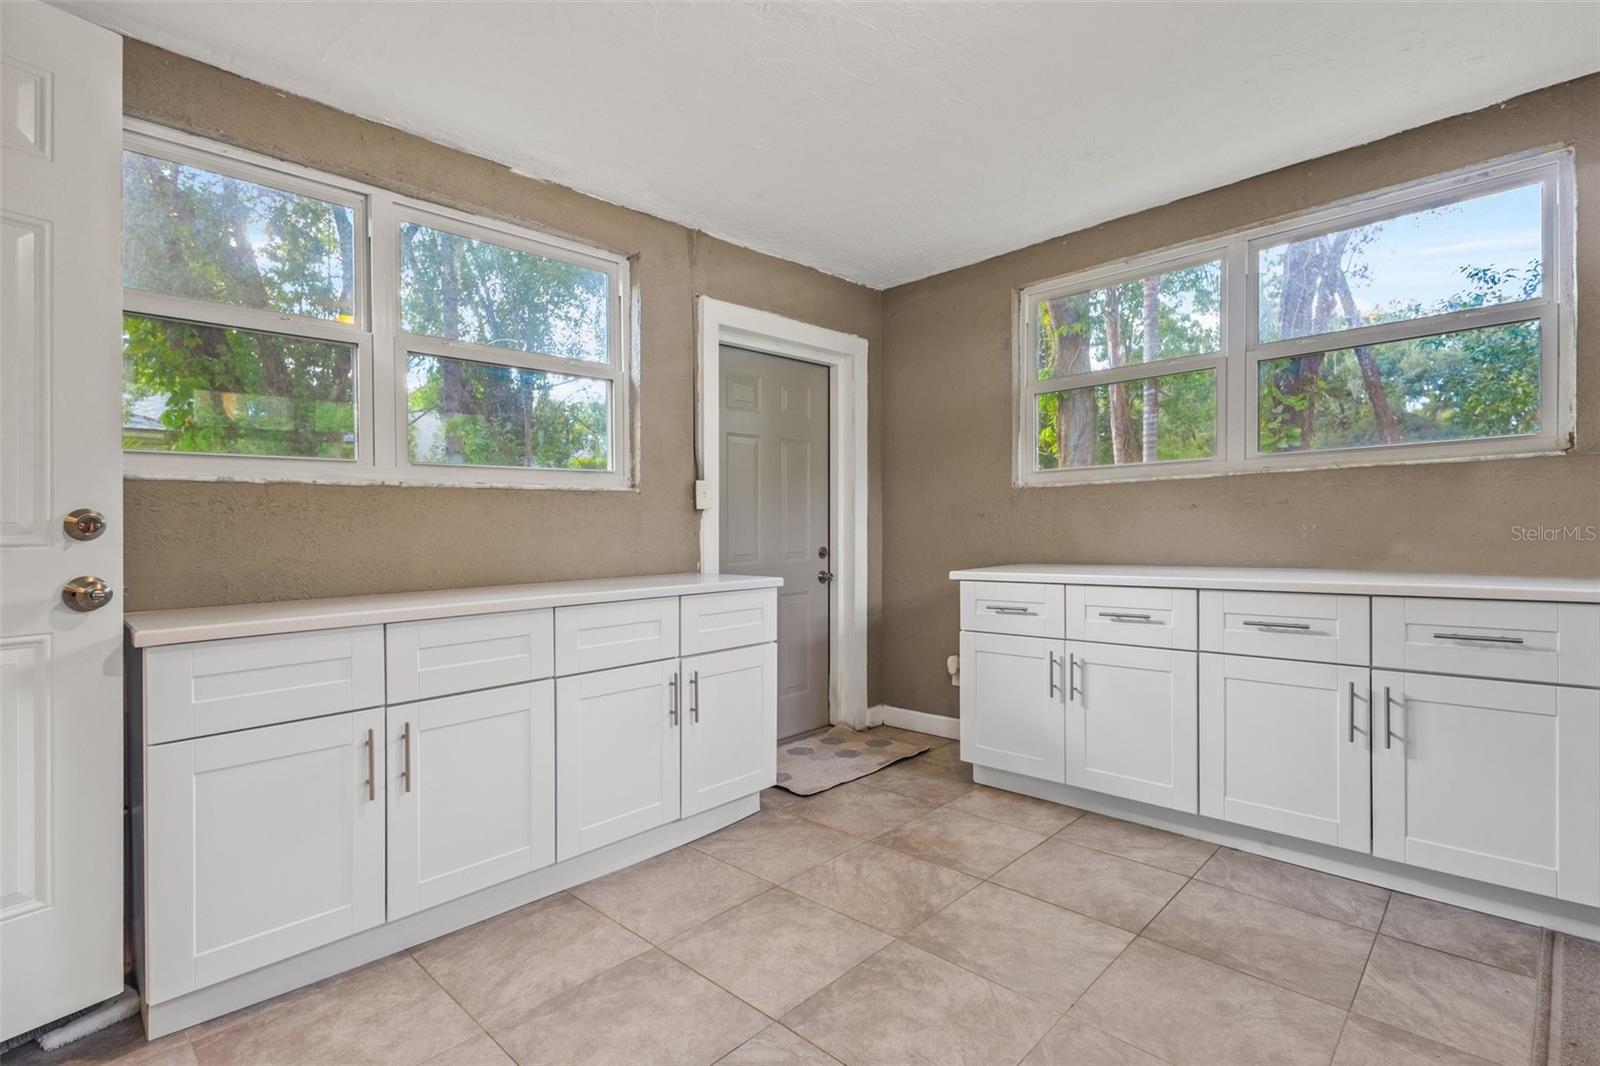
(259, 845)
(730, 727)
(617, 758)
(472, 792)
(1284, 747)
(1131, 723)
(1493, 780)
(1012, 710)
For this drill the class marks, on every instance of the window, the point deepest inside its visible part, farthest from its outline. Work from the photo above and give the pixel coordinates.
(1432, 321)
(286, 325)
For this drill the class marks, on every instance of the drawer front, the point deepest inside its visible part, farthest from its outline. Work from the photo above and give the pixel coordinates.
(1550, 642)
(719, 620)
(218, 686)
(598, 636)
(444, 656)
(1148, 618)
(1287, 625)
(1013, 607)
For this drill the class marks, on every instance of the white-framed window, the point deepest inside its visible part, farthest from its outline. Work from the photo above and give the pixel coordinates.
(285, 325)
(1432, 321)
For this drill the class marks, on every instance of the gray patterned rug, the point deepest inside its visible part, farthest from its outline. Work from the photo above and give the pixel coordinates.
(808, 765)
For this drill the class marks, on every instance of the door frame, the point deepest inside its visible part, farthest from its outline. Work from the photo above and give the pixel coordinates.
(845, 356)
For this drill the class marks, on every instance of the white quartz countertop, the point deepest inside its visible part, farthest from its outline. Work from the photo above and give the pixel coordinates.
(1352, 582)
(149, 629)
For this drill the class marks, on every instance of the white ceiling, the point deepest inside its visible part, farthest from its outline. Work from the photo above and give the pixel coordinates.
(884, 142)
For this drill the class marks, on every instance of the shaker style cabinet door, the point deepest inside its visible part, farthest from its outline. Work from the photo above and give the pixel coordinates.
(1012, 715)
(730, 725)
(259, 845)
(472, 792)
(1131, 723)
(1284, 747)
(1498, 781)
(617, 761)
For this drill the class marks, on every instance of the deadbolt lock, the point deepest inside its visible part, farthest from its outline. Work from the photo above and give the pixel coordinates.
(822, 552)
(86, 593)
(84, 524)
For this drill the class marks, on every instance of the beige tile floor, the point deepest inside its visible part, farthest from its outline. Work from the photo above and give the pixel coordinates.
(914, 917)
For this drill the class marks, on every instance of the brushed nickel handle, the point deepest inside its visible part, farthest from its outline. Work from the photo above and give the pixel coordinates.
(372, 767)
(1388, 730)
(1012, 610)
(84, 524)
(1474, 636)
(405, 768)
(1054, 688)
(86, 593)
(694, 695)
(1073, 692)
(1352, 712)
(1278, 625)
(1124, 616)
(672, 687)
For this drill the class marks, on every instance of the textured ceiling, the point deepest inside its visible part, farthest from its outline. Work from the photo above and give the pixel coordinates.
(884, 142)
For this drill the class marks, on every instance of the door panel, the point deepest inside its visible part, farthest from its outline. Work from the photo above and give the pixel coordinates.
(1012, 714)
(1284, 747)
(773, 507)
(730, 740)
(1132, 723)
(617, 762)
(260, 844)
(60, 450)
(476, 804)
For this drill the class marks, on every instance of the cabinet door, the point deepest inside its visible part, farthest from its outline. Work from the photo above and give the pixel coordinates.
(472, 792)
(730, 728)
(1284, 747)
(1011, 703)
(1132, 723)
(1494, 780)
(259, 845)
(616, 754)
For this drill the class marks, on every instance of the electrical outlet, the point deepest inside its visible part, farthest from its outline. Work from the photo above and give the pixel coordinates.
(702, 495)
(953, 664)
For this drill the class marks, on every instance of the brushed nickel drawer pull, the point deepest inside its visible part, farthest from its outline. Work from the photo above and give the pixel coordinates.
(372, 768)
(1352, 712)
(405, 768)
(1012, 610)
(1278, 625)
(1474, 636)
(1124, 616)
(1073, 691)
(1388, 730)
(672, 687)
(694, 694)
(1054, 688)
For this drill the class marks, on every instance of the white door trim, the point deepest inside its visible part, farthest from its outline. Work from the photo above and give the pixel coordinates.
(845, 356)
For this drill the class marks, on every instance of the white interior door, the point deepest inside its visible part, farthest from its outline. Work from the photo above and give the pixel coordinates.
(1132, 723)
(774, 512)
(60, 450)
(730, 743)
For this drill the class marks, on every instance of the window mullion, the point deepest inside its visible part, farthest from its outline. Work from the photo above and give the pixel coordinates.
(1237, 390)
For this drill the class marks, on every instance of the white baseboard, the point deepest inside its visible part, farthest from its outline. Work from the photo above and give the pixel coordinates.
(938, 725)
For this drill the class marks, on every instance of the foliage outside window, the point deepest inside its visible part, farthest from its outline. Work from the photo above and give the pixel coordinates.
(284, 325)
(1427, 322)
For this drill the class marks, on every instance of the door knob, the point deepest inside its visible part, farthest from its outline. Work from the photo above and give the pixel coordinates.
(84, 524)
(86, 593)
(824, 576)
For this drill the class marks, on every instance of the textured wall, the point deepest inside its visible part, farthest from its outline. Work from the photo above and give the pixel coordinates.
(947, 494)
(193, 543)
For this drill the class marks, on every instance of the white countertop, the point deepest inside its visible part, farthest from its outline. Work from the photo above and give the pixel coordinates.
(1352, 582)
(149, 629)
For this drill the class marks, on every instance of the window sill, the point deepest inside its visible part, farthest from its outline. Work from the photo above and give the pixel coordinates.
(565, 481)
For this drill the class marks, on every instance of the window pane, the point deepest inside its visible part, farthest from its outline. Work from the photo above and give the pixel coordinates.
(480, 414)
(1159, 317)
(193, 388)
(1475, 383)
(189, 232)
(1477, 252)
(1154, 420)
(462, 289)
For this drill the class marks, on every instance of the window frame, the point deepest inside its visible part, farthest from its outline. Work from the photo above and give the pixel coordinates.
(381, 347)
(1237, 364)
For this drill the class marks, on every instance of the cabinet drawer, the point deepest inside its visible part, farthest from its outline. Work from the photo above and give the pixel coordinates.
(1016, 608)
(443, 656)
(1149, 618)
(1551, 642)
(1287, 625)
(218, 686)
(598, 636)
(720, 620)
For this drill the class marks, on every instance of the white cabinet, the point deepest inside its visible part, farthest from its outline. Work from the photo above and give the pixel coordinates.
(259, 845)
(598, 636)
(1012, 710)
(1131, 723)
(472, 792)
(1284, 746)
(730, 726)
(617, 754)
(443, 656)
(1493, 780)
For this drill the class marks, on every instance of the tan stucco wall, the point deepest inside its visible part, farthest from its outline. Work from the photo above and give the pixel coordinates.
(947, 494)
(192, 544)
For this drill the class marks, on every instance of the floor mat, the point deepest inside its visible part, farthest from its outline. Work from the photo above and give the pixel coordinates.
(808, 765)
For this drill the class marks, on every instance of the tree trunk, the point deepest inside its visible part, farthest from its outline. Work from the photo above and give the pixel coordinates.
(1075, 412)
(1152, 352)
(454, 390)
(1371, 378)
(1124, 436)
